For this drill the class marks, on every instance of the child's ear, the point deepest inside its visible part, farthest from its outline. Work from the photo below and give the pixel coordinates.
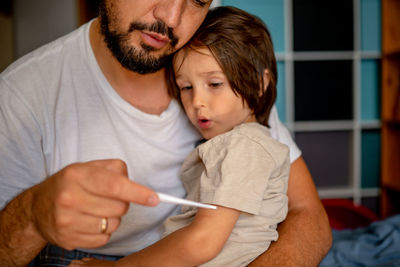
(266, 82)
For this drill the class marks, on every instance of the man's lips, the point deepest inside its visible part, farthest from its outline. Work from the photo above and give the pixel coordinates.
(153, 39)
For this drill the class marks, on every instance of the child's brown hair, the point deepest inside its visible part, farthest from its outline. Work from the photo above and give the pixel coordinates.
(242, 45)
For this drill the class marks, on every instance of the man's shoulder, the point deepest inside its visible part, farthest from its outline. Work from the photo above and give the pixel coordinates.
(42, 60)
(36, 78)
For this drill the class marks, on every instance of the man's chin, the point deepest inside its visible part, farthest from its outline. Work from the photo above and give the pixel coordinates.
(156, 53)
(145, 66)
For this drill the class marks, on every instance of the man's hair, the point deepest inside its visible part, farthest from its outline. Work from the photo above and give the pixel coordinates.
(242, 46)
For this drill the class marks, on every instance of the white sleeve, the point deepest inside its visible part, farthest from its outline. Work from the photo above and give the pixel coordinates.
(22, 161)
(281, 133)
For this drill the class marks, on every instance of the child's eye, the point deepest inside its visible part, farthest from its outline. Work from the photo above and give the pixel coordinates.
(215, 85)
(183, 88)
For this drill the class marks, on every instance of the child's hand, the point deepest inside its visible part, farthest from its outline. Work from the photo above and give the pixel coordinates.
(91, 262)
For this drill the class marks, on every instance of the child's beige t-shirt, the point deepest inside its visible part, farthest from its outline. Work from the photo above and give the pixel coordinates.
(244, 169)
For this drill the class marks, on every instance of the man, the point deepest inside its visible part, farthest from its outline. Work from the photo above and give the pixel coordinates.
(91, 109)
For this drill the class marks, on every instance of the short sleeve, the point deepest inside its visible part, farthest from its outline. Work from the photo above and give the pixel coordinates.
(236, 173)
(281, 133)
(20, 166)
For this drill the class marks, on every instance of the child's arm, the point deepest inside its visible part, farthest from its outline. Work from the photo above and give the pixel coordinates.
(192, 245)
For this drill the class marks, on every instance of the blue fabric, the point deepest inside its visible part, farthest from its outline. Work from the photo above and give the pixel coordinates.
(56, 256)
(375, 245)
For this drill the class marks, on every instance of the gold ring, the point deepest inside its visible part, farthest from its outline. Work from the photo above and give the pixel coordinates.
(103, 225)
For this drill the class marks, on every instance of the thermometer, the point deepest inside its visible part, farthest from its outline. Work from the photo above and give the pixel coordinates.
(180, 201)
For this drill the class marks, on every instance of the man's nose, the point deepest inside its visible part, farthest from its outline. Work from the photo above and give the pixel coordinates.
(170, 12)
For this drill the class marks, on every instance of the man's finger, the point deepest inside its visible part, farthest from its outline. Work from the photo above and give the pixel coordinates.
(112, 185)
(139, 194)
(114, 165)
(97, 203)
(86, 224)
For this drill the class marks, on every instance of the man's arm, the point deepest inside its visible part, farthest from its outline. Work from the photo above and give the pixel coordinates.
(19, 240)
(305, 236)
(66, 209)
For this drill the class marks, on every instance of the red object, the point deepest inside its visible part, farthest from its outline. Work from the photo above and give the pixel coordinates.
(344, 214)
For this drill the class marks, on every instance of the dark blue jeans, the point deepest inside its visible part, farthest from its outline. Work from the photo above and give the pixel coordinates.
(56, 256)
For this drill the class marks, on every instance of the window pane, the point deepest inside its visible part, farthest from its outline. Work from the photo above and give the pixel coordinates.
(323, 25)
(323, 90)
(370, 158)
(370, 25)
(370, 93)
(328, 156)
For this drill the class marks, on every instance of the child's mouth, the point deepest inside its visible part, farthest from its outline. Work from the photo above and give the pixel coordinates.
(204, 123)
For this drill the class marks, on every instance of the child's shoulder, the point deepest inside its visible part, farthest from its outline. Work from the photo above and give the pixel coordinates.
(249, 135)
(244, 141)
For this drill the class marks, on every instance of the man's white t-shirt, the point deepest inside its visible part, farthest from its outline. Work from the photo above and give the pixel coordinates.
(57, 108)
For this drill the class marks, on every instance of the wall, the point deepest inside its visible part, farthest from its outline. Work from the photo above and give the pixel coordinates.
(39, 22)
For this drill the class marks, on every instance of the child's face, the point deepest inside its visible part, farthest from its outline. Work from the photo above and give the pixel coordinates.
(209, 102)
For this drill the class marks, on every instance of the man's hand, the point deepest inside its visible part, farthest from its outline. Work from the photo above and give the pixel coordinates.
(68, 207)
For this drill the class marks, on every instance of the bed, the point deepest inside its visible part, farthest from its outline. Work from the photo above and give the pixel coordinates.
(360, 238)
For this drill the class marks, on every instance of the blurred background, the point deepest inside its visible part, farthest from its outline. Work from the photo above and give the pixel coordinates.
(338, 84)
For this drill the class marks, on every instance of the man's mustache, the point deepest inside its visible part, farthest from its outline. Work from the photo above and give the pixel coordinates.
(158, 27)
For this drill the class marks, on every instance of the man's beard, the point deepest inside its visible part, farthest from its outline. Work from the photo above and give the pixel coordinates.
(130, 57)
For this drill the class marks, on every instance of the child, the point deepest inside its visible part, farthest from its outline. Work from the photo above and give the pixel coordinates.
(226, 81)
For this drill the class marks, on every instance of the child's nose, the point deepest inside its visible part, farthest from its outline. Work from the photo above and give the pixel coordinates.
(198, 99)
